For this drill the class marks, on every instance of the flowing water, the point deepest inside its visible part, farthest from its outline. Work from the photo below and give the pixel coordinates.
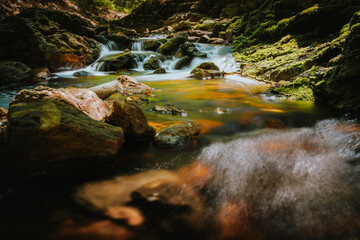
(265, 167)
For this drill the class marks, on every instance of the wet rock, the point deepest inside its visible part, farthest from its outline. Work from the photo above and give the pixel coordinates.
(216, 41)
(179, 135)
(39, 37)
(168, 196)
(193, 39)
(152, 64)
(208, 66)
(167, 110)
(164, 30)
(199, 73)
(3, 114)
(130, 84)
(183, 25)
(100, 196)
(125, 60)
(11, 71)
(206, 70)
(42, 73)
(183, 62)
(204, 39)
(126, 31)
(47, 134)
(152, 45)
(131, 118)
(123, 42)
(160, 71)
(189, 49)
(83, 99)
(173, 44)
(198, 33)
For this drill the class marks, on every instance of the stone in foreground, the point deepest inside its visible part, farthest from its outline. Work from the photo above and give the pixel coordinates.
(46, 134)
(178, 135)
(131, 118)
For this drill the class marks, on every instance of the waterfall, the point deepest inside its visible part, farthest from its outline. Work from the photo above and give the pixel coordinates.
(138, 46)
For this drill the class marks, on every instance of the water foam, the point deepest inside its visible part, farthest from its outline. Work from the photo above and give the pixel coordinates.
(300, 183)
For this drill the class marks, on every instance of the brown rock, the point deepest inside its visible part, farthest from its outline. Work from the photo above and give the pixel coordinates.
(178, 135)
(131, 118)
(132, 85)
(198, 33)
(83, 99)
(42, 73)
(101, 196)
(131, 215)
(217, 41)
(204, 39)
(3, 114)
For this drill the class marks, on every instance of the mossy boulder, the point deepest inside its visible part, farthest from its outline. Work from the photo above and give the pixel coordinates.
(189, 49)
(13, 72)
(125, 60)
(208, 66)
(182, 26)
(45, 135)
(152, 64)
(172, 45)
(152, 45)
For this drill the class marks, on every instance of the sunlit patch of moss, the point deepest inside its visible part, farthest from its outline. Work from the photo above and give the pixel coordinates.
(311, 10)
(295, 92)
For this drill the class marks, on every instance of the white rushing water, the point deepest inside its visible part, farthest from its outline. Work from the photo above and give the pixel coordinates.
(303, 181)
(220, 55)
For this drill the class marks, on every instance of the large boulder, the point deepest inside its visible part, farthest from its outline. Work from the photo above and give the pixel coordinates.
(47, 134)
(12, 72)
(152, 64)
(54, 39)
(83, 99)
(125, 60)
(131, 118)
(206, 70)
(172, 45)
(178, 135)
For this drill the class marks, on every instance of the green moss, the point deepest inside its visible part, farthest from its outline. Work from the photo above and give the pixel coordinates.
(295, 92)
(311, 10)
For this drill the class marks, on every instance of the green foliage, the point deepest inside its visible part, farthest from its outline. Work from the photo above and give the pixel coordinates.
(119, 5)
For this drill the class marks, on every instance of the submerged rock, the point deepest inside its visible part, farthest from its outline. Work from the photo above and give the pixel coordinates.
(172, 110)
(178, 135)
(46, 134)
(12, 72)
(131, 118)
(152, 64)
(83, 99)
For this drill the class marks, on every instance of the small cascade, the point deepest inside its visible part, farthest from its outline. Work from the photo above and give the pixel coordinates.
(112, 46)
(138, 46)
